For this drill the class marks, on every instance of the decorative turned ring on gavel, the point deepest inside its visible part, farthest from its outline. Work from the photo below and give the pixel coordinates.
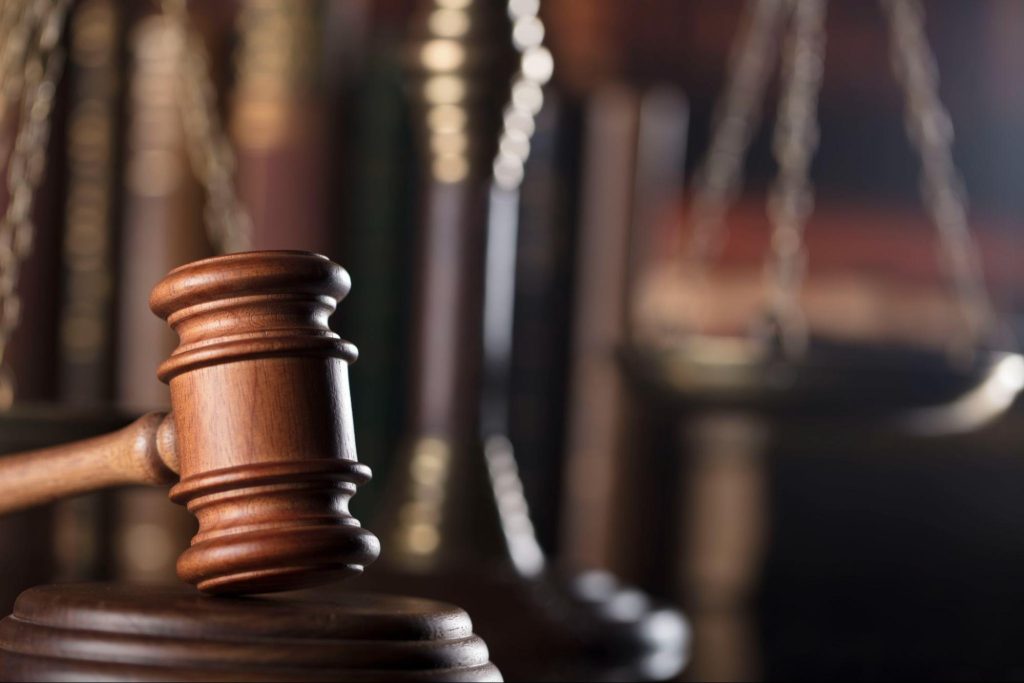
(263, 422)
(260, 434)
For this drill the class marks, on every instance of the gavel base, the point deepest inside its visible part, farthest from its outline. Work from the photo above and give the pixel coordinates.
(115, 632)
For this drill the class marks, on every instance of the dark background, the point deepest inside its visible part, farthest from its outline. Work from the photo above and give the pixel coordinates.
(872, 553)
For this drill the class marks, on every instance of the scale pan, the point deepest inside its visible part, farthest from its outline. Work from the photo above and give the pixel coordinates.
(922, 388)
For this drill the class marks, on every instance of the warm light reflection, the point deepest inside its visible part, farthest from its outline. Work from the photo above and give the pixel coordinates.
(423, 538)
(448, 23)
(449, 144)
(442, 55)
(416, 511)
(446, 118)
(453, 169)
(428, 465)
(419, 519)
(444, 90)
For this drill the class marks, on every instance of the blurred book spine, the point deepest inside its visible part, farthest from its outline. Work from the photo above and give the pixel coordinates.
(648, 482)
(722, 523)
(457, 89)
(87, 322)
(87, 313)
(26, 551)
(161, 209)
(278, 123)
(458, 64)
(162, 230)
(633, 154)
(377, 256)
(349, 37)
(543, 295)
(596, 429)
(662, 138)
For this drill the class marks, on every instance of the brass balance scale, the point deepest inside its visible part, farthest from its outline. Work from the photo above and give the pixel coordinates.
(735, 396)
(781, 367)
(773, 370)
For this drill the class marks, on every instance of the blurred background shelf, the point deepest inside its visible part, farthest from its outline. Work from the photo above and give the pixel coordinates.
(804, 530)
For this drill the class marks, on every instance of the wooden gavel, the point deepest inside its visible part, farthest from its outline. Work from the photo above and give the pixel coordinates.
(260, 431)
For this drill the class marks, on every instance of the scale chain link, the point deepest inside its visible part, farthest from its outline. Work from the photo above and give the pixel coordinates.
(929, 126)
(930, 129)
(33, 49)
(718, 179)
(18, 22)
(791, 196)
(212, 157)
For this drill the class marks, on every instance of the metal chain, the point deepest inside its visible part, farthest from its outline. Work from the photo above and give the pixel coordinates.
(211, 155)
(791, 197)
(930, 129)
(16, 26)
(43, 64)
(536, 67)
(18, 21)
(718, 179)
(526, 98)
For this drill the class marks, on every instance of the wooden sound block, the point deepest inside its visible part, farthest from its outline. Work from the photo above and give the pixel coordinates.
(117, 632)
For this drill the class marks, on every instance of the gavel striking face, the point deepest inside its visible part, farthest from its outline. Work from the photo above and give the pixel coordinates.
(260, 430)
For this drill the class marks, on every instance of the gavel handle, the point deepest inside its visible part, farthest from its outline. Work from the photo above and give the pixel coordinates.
(141, 453)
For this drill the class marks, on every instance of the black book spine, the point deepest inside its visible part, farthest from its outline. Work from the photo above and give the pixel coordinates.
(543, 295)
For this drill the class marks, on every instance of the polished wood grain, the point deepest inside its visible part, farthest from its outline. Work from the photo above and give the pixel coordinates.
(39, 543)
(261, 432)
(259, 386)
(141, 453)
(134, 633)
(261, 436)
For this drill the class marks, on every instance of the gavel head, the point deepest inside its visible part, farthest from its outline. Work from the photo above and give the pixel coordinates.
(263, 422)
